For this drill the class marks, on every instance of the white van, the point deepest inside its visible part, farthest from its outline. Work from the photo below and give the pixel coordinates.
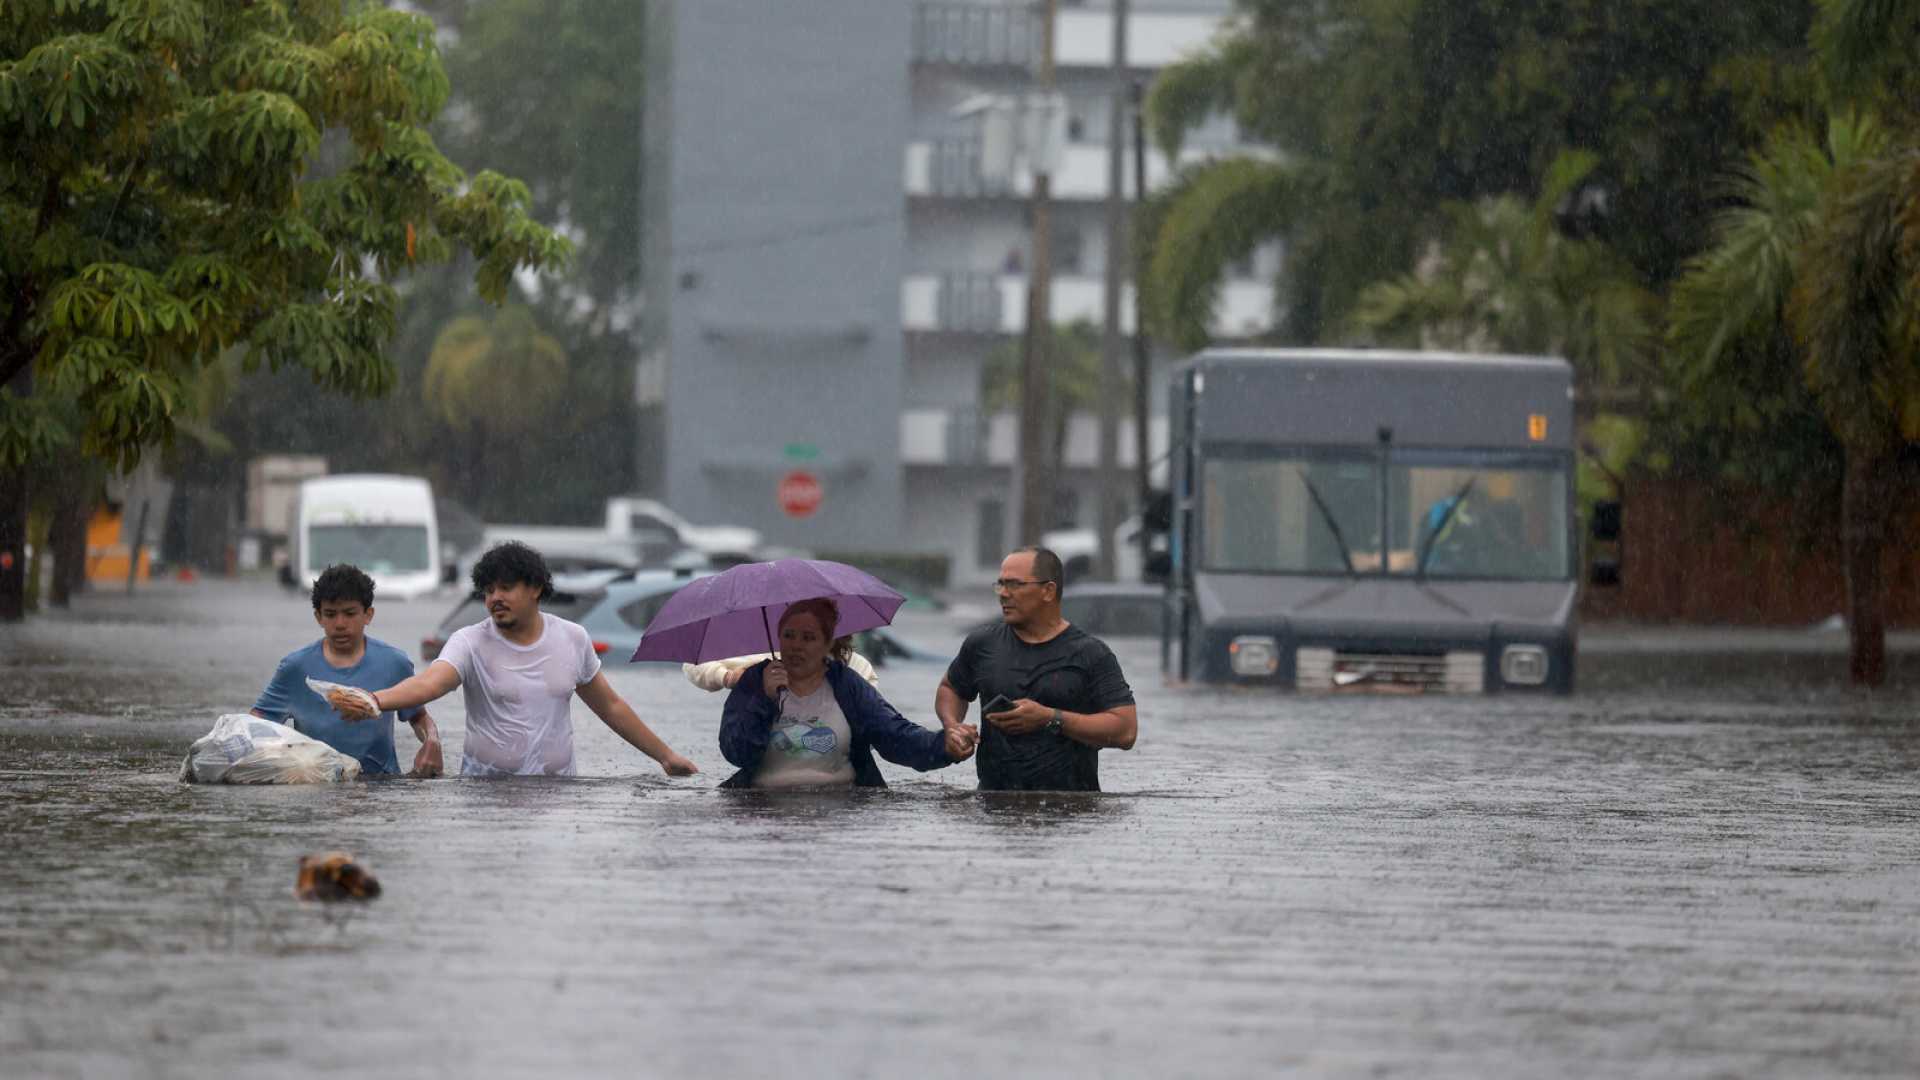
(385, 525)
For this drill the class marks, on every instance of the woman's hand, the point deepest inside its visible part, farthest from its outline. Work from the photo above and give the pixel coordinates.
(675, 765)
(961, 739)
(775, 680)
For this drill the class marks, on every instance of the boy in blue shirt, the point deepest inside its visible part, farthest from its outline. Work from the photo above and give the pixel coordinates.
(343, 606)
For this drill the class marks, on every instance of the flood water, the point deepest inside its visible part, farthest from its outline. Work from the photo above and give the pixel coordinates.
(1705, 863)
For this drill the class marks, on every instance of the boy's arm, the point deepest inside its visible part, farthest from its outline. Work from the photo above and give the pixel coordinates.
(272, 702)
(428, 761)
(614, 711)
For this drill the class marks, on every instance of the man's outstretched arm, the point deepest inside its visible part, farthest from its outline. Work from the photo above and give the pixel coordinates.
(613, 710)
(437, 681)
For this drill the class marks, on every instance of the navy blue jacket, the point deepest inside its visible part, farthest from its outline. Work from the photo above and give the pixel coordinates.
(746, 725)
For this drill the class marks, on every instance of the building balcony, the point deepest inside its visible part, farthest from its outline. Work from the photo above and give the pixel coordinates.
(957, 437)
(975, 35)
(1008, 36)
(969, 437)
(950, 169)
(982, 303)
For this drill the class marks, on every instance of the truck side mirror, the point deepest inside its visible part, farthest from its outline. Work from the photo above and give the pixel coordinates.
(1605, 523)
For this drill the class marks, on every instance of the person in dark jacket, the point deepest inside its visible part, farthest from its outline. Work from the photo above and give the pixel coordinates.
(804, 719)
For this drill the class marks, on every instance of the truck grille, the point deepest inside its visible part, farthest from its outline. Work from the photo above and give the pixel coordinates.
(1345, 671)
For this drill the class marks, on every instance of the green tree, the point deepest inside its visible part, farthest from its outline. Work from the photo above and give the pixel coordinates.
(1812, 276)
(1383, 111)
(187, 175)
(550, 93)
(495, 381)
(1071, 356)
(1506, 278)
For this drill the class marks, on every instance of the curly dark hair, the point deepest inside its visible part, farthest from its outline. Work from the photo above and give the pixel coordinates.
(340, 583)
(512, 563)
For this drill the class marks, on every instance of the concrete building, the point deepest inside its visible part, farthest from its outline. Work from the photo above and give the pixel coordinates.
(829, 271)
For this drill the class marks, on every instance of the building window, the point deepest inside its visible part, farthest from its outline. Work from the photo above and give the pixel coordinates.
(991, 534)
(1069, 251)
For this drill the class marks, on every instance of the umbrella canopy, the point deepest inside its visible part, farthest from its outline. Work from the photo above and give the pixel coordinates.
(734, 612)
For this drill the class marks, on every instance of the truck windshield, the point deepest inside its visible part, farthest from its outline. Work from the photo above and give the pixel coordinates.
(1290, 515)
(376, 549)
(1446, 515)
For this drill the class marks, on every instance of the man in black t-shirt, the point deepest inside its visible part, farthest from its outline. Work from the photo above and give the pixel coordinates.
(1065, 696)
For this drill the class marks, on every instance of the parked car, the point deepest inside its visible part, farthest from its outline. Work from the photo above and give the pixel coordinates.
(613, 612)
(1113, 609)
(573, 552)
(882, 647)
(616, 612)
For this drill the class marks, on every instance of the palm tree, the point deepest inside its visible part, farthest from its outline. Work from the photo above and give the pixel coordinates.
(1507, 278)
(494, 379)
(1071, 355)
(1814, 260)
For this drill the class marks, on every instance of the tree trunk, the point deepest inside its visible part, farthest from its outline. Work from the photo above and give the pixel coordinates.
(1866, 506)
(13, 530)
(67, 537)
(13, 544)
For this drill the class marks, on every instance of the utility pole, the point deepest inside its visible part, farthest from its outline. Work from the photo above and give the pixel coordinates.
(1037, 467)
(1142, 366)
(1109, 479)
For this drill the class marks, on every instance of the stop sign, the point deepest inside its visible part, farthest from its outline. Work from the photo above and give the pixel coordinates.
(799, 493)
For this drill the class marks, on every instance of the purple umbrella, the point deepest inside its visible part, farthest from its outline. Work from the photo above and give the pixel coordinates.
(733, 613)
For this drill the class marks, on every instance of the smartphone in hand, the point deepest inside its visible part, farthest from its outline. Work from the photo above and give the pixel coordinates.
(1000, 703)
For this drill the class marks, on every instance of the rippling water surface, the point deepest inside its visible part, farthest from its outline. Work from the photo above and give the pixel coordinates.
(1706, 863)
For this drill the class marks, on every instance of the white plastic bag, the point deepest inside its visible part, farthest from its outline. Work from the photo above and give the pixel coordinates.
(244, 749)
(333, 692)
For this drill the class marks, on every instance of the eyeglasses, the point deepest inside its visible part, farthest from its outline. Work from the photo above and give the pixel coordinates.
(1008, 584)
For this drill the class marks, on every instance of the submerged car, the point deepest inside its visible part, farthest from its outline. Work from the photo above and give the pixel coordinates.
(614, 612)
(1114, 609)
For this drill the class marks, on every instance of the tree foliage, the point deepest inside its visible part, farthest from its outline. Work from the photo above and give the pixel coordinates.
(551, 93)
(1394, 109)
(1506, 278)
(1814, 271)
(185, 176)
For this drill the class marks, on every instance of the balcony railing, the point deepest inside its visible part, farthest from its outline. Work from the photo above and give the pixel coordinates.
(950, 168)
(971, 303)
(987, 303)
(975, 34)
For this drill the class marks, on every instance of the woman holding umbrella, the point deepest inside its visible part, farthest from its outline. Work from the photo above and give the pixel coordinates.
(804, 719)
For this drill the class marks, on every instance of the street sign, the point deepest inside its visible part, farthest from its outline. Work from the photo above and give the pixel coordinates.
(799, 493)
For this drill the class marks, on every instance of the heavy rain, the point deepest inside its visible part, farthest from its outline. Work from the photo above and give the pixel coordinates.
(959, 537)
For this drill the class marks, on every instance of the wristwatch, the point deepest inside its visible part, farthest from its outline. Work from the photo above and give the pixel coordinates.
(1054, 723)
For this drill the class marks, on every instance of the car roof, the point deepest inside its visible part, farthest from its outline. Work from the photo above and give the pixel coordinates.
(645, 582)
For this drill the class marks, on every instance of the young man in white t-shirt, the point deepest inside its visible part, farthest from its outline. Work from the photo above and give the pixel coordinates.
(519, 670)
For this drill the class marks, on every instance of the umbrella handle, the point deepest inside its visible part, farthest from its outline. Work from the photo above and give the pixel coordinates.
(767, 623)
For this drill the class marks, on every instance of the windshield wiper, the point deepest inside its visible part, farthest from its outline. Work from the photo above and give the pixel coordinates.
(1453, 507)
(1346, 557)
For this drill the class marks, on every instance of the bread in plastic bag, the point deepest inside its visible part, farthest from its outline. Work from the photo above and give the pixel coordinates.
(344, 698)
(244, 749)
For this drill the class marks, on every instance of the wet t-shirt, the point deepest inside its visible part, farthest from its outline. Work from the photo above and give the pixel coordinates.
(1073, 671)
(519, 697)
(810, 743)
